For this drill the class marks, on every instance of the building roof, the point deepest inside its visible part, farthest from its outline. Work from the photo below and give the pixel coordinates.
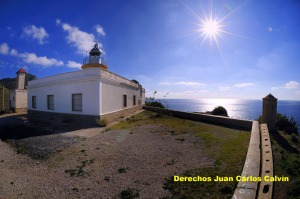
(95, 51)
(21, 71)
(270, 96)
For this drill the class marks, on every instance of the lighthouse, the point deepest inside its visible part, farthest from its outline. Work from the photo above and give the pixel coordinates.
(94, 60)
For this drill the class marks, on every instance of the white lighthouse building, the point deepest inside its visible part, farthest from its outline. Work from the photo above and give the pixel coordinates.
(82, 96)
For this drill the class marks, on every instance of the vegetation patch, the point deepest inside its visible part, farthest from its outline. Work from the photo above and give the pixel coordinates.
(79, 170)
(129, 193)
(101, 122)
(286, 163)
(122, 170)
(227, 147)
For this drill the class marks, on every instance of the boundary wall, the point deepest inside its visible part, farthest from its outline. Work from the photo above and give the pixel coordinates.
(226, 121)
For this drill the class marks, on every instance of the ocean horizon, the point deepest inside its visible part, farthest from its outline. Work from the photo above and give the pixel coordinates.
(236, 108)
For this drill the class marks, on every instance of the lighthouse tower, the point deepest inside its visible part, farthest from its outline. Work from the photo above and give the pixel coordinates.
(18, 97)
(94, 60)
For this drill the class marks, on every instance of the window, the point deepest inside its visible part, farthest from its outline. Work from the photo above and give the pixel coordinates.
(134, 100)
(77, 102)
(33, 101)
(50, 102)
(124, 100)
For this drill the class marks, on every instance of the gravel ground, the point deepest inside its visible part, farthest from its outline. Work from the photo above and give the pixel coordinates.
(101, 166)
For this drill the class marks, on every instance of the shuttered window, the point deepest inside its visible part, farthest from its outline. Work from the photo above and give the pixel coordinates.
(124, 101)
(50, 102)
(33, 101)
(134, 100)
(77, 102)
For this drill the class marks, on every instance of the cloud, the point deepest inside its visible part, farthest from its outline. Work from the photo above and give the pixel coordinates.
(32, 58)
(241, 85)
(224, 88)
(83, 41)
(13, 52)
(58, 21)
(182, 83)
(36, 33)
(72, 64)
(291, 85)
(4, 49)
(298, 92)
(270, 29)
(100, 30)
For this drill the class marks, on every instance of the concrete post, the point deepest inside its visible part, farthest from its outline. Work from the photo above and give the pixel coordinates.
(269, 111)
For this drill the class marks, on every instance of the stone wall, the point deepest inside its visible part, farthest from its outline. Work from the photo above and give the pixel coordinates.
(111, 116)
(77, 119)
(4, 99)
(225, 121)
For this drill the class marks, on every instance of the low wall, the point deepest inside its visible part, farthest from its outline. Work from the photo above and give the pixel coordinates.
(122, 113)
(21, 110)
(80, 120)
(248, 189)
(225, 121)
(266, 187)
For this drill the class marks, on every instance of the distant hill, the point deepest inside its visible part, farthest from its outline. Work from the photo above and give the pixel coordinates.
(10, 83)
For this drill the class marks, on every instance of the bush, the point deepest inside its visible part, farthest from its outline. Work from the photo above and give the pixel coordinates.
(129, 193)
(220, 110)
(155, 104)
(288, 125)
(101, 122)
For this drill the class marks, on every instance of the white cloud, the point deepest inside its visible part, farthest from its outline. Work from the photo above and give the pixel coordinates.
(291, 85)
(4, 49)
(224, 88)
(298, 92)
(58, 21)
(83, 41)
(203, 91)
(182, 83)
(72, 64)
(32, 58)
(36, 33)
(241, 85)
(13, 52)
(270, 29)
(100, 30)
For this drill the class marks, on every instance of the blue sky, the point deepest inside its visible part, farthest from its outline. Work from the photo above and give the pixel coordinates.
(161, 44)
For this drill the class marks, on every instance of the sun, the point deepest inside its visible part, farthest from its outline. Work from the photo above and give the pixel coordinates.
(211, 28)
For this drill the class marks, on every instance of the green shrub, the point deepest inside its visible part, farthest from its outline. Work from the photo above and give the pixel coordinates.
(101, 122)
(129, 193)
(155, 104)
(220, 110)
(294, 190)
(288, 125)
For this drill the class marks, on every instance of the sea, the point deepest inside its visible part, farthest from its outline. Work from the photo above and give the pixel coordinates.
(238, 109)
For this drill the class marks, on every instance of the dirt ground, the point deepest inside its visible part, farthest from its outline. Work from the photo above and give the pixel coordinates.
(99, 163)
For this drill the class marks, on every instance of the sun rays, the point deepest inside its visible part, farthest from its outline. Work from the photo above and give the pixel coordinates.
(211, 27)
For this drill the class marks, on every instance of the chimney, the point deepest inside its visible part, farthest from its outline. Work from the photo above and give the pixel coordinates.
(20, 79)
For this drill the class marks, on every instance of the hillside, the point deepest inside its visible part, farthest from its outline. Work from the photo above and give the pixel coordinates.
(10, 83)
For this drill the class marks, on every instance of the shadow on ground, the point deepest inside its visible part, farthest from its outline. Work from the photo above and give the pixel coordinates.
(37, 139)
(283, 142)
(19, 127)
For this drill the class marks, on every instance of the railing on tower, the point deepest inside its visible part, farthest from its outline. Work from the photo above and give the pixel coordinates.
(95, 60)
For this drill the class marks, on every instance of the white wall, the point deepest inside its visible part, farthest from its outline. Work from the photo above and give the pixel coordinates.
(63, 88)
(20, 98)
(112, 96)
(102, 92)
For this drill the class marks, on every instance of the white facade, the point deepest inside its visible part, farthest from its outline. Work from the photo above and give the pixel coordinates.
(102, 92)
(18, 97)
